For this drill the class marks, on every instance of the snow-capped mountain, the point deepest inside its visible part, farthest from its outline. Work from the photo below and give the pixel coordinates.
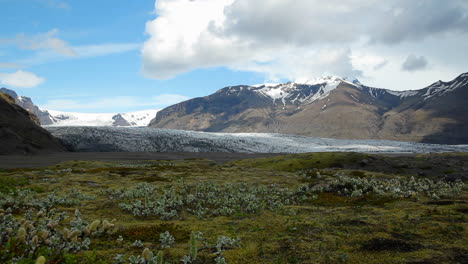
(138, 118)
(329, 107)
(301, 91)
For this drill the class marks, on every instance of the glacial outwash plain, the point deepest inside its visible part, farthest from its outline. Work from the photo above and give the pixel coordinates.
(141, 195)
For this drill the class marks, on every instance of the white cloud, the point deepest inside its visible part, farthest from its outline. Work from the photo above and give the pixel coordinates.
(193, 34)
(84, 51)
(21, 79)
(50, 48)
(104, 49)
(295, 39)
(418, 19)
(45, 41)
(103, 104)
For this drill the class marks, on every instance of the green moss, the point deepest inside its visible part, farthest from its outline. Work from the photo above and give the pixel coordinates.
(296, 162)
(329, 229)
(151, 232)
(10, 183)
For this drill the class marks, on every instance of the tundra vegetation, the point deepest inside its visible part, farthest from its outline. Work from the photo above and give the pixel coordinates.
(303, 208)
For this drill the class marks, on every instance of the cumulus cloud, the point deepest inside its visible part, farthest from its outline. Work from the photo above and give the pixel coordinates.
(414, 63)
(368, 61)
(287, 38)
(380, 65)
(418, 19)
(21, 79)
(205, 33)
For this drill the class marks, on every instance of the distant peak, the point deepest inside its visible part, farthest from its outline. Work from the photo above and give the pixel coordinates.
(9, 92)
(319, 80)
(312, 81)
(440, 88)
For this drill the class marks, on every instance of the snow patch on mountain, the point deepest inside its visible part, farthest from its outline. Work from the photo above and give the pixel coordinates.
(324, 91)
(140, 118)
(403, 94)
(440, 88)
(266, 85)
(22, 99)
(289, 91)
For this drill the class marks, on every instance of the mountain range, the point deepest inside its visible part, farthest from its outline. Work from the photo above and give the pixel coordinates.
(329, 107)
(60, 118)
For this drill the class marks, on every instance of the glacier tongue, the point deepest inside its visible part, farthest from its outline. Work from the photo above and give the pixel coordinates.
(144, 139)
(138, 118)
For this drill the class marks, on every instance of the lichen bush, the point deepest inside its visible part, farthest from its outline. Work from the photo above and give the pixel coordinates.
(31, 227)
(222, 244)
(19, 200)
(205, 199)
(166, 239)
(395, 188)
(208, 199)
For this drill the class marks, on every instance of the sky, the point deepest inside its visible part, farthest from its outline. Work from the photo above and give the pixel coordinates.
(121, 56)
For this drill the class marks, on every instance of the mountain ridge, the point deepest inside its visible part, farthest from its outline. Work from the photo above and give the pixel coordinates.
(20, 132)
(333, 107)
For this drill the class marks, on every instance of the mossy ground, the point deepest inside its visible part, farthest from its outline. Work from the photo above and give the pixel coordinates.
(329, 229)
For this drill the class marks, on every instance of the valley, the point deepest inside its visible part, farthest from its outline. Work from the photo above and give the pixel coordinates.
(233, 132)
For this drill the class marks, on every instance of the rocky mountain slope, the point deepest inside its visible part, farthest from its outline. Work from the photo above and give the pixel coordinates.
(20, 132)
(330, 107)
(144, 139)
(25, 102)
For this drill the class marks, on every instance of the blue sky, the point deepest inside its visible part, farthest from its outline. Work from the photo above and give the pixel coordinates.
(120, 56)
(85, 83)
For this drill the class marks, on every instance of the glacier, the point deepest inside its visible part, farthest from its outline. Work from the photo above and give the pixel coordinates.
(146, 139)
(137, 118)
